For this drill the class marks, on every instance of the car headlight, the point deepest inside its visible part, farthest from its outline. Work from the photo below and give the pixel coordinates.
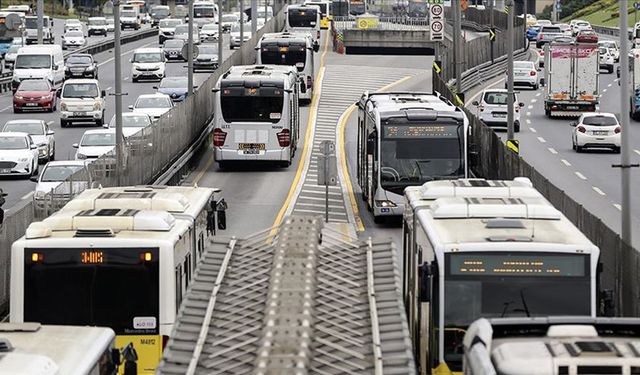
(385, 204)
(96, 106)
(18, 97)
(81, 156)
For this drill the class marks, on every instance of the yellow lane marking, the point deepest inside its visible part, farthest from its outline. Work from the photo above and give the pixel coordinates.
(307, 146)
(345, 170)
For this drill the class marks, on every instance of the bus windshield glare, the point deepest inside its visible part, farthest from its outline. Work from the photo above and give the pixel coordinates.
(96, 287)
(413, 153)
(203, 12)
(303, 18)
(296, 56)
(264, 108)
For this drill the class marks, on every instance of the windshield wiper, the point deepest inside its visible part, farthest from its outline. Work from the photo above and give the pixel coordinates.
(525, 308)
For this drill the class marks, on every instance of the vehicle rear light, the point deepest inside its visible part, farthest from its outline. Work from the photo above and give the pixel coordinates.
(582, 129)
(318, 35)
(532, 73)
(284, 138)
(165, 340)
(219, 137)
(617, 130)
(309, 82)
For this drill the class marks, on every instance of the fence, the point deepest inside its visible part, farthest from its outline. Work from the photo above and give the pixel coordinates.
(621, 262)
(148, 153)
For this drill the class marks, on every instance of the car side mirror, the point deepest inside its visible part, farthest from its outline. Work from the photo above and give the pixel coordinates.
(425, 274)
(521, 104)
(34, 146)
(371, 144)
(154, 87)
(303, 87)
(55, 67)
(130, 60)
(539, 69)
(103, 93)
(50, 132)
(34, 178)
(57, 93)
(130, 107)
(195, 87)
(75, 145)
(475, 102)
(316, 47)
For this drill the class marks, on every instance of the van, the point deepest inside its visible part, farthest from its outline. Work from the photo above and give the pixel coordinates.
(130, 17)
(39, 62)
(81, 100)
(31, 29)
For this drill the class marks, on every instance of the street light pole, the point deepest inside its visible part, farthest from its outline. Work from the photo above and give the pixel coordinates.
(40, 6)
(254, 17)
(118, 87)
(220, 34)
(242, 16)
(190, 51)
(510, 114)
(457, 56)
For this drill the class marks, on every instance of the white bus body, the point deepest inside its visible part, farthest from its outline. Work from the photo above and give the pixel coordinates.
(204, 13)
(303, 18)
(406, 139)
(138, 246)
(293, 50)
(269, 131)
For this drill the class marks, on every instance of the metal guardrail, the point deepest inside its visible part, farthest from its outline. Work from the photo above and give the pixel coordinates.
(615, 31)
(382, 23)
(5, 80)
(486, 71)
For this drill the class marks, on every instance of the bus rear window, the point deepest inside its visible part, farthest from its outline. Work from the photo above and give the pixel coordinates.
(303, 18)
(99, 287)
(295, 56)
(262, 108)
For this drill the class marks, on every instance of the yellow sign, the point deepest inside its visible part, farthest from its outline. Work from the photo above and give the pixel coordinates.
(366, 23)
(492, 35)
(436, 67)
(513, 145)
(148, 348)
(459, 100)
(506, 10)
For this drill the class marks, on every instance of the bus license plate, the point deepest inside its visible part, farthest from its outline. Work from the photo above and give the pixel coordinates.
(251, 146)
(251, 151)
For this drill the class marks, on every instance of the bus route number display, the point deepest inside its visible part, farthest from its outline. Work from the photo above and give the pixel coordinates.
(91, 257)
(517, 265)
(420, 131)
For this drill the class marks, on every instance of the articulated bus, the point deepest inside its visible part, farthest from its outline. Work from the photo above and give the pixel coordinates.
(326, 14)
(507, 254)
(406, 139)
(256, 117)
(119, 257)
(293, 50)
(303, 19)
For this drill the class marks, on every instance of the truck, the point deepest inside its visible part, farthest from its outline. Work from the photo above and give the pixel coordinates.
(571, 79)
(31, 29)
(634, 83)
(10, 23)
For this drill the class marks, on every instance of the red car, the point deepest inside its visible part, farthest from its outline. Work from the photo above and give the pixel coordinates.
(587, 36)
(34, 95)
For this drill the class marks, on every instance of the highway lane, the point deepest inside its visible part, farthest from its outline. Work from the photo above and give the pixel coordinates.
(19, 189)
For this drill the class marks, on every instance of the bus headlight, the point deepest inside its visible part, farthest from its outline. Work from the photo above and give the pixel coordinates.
(385, 204)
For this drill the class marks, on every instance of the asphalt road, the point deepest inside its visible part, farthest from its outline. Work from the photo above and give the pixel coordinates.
(21, 189)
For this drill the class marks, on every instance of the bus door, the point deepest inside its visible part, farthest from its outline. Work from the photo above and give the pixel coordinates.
(371, 170)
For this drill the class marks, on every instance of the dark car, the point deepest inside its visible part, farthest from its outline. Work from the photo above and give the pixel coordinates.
(175, 87)
(34, 94)
(81, 65)
(173, 49)
(587, 36)
(207, 58)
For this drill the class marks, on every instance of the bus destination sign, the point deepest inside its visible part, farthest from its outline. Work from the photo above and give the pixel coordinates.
(509, 264)
(420, 131)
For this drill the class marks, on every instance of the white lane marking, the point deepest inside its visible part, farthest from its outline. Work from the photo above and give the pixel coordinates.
(619, 207)
(528, 121)
(533, 130)
(565, 162)
(552, 150)
(637, 151)
(604, 90)
(580, 175)
(108, 88)
(597, 190)
(6, 108)
(528, 113)
(538, 94)
(616, 80)
(609, 85)
(542, 140)
(534, 100)
(529, 107)
(126, 78)
(27, 196)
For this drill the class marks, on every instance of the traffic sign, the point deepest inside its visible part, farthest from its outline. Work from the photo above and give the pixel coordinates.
(492, 34)
(636, 5)
(436, 22)
(513, 145)
(436, 66)
(464, 4)
(435, 2)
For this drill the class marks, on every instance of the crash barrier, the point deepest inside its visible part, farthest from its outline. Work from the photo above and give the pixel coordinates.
(148, 154)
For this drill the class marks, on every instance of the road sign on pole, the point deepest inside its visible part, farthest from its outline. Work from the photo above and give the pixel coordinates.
(492, 34)
(436, 21)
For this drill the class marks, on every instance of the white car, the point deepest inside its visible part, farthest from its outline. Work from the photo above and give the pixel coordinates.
(111, 25)
(182, 32)
(167, 28)
(73, 24)
(492, 109)
(612, 45)
(10, 56)
(606, 59)
(566, 29)
(147, 63)
(154, 105)
(54, 173)
(97, 26)
(132, 123)
(18, 155)
(95, 143)
(596, 130)
(234, 38)
(579, 25)
(525, 73)
(73, 39)
(81, 100)
(228, 20)
(209, 33)
(40, 133)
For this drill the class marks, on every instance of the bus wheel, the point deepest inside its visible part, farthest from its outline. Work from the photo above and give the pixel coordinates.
(378, 219)
(285, 164)
(222, 165)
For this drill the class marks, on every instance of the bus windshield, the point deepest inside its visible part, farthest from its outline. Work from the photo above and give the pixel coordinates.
(303, 18)
(411, 154)
(98, 287)
(203, 12)
(293, 55)
(264, 108)
(32, 22)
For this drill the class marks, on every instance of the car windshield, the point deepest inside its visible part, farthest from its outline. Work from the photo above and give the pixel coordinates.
(587, 32)
(174, 83)
(582, 24)
(131, 121)
(80, 90)
(33, 61)
(209, 50)
(229, 18)
(292, 55)
(13, 143)
(55, 173)
(551, 29)
(111, 21)
(170, 23)
(599, 121)
(128, 13)
(147, 57)
(497, 98)
(99, 22)
(609, 44)
(74, 34)
(99, 139)
(161, 12)
(31, 128)
(174, 43)
(79, 60)
(34, 85)
(32, 22)
(153, 103)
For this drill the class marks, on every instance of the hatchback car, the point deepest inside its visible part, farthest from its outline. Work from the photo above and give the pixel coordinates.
(532, 32)
(95, 143)
(525, 73)
(97, 26)
(18, 155)
(175, 87)
(579, 25)
(73, 39)
(606, 59)
(207, 58)
(209, 33)
(234, 38)
(172, 49)
(81, 65)
(40, 133)
(587, 36)
(10, 56)
(596, 130)
(154, 105)
(492, 109)
(167, 28)
(54, 173)
(612, 45)
(147, 63)
(182, 32)
(34, 95)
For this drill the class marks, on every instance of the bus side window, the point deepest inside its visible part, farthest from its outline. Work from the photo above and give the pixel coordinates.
(178, 286)
(187, 270)
(200, 245)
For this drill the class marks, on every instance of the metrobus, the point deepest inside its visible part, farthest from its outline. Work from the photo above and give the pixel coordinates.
(326, 13)
(406, 139)
(357, 7)
(118, 257)
(54, 350)
(293, 50)
(268, 132)
(303, 18)
(205, 13)
(141, 4)
(490, 257)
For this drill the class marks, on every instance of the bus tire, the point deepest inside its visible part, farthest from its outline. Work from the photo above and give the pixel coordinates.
(378, 219)
(223, 165)
(285, 164)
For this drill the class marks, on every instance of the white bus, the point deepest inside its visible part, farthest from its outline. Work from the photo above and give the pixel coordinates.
(293, 50)
(54, 350)
(119, 258)
(303, 18)
(491, 257)
(326, 14)
(256, 117)
(406, 139)
(205, 13)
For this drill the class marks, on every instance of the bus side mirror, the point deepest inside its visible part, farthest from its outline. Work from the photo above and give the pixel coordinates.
(424, 282)
(115, 356)
(371, 144)
(303, 87)
(316, 47)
